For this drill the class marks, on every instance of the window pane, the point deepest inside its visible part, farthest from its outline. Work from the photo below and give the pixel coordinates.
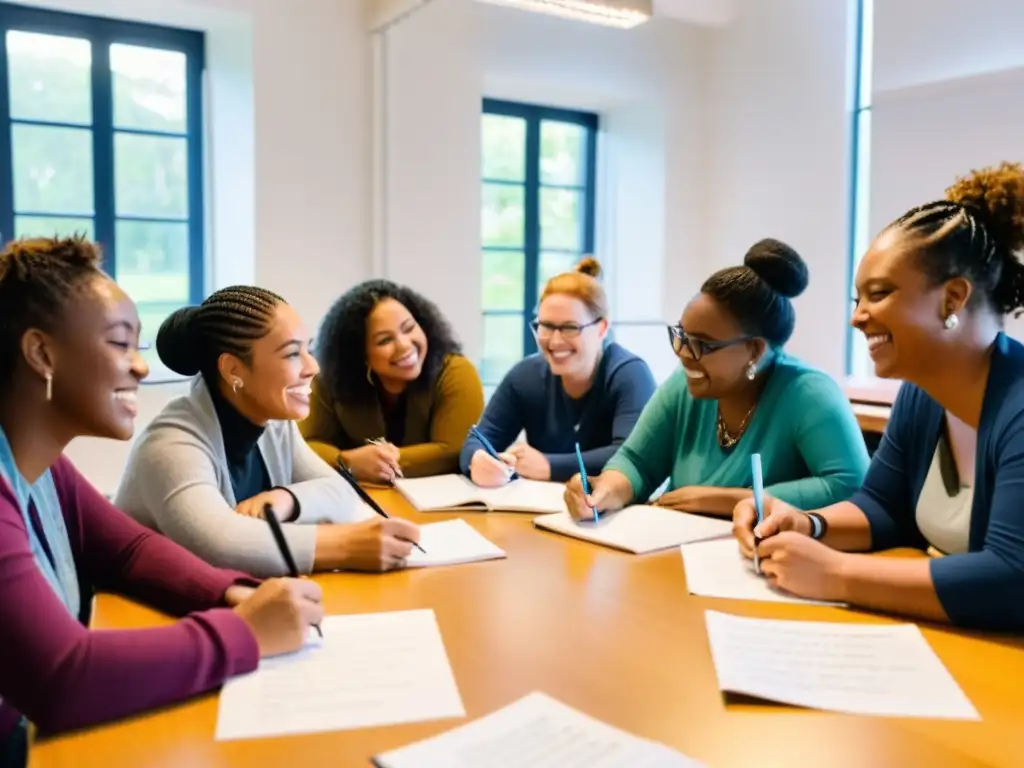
(561, 219)
(503, 346)
(52, 169)
(502, 216)
(152, 261)
(150, 176)
(49, 77)
(151, 315)
(52, 226)
(504, 278)
(149, 88)
(503, 146)
(552, 264)
(562, 147)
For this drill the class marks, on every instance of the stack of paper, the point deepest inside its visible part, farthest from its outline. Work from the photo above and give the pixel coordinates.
(371, 669)
(450, 543)
(719, 569)
(639, 529)
(861, 669)
(455, 492)
(538, 732)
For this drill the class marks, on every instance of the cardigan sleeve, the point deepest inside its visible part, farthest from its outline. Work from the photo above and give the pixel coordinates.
(829, 441)
(501, 422)
(457, 407)
(62, 675)
(321, 494)
(321, 428)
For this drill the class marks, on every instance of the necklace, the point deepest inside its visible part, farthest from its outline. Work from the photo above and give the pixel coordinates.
(725, 438)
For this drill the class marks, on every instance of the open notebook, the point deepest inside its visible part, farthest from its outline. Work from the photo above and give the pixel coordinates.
(458, 493)
(640, 528)
(451, 543)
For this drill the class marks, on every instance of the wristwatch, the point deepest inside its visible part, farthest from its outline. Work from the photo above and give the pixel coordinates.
(819, 525)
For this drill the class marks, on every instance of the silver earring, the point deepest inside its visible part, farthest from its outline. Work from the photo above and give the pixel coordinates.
(369, 376)
(751, 370)
(951, 321)
(49, 386)
(236, 384)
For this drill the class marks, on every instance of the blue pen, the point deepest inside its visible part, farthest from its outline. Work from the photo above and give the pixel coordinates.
(475, 432)
(583, 477)
(755, 470)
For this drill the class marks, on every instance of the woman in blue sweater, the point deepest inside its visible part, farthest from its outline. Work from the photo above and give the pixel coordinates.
(949, 474)
(579, 388)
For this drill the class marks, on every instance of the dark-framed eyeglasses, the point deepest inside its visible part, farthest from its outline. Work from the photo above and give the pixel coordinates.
(544, 330)
(698, 347)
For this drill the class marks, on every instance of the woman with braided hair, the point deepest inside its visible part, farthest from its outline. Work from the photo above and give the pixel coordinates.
(932, 293)
(206, 466)
(70, 367)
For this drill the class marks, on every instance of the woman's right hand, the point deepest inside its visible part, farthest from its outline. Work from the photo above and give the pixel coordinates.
(280, 613)
(374, 463)
(487, 472)
(778, 516)
(378, 544)
(581, 506)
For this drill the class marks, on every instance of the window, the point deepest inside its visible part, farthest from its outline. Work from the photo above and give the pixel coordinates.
(100, 133)
(537, 217)
(858, 360)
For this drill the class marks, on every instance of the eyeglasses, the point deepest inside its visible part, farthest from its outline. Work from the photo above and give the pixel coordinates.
(568, 330)
(698, 347)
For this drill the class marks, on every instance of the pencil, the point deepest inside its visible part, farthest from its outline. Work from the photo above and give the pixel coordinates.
(286, 553)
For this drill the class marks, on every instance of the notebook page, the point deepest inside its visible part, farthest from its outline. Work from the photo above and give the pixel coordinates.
(719, 569)
(524, 495)
(450, 543)
(439, 492)
(538, 732)
(640, 528)
(863, 669)
(341, 683)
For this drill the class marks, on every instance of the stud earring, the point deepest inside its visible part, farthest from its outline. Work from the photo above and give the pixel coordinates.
(369, 375)
(49, 386)
(951, 321)
(236, 384)
(751, 370)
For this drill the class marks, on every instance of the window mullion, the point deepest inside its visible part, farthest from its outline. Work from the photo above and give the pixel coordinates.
(531, 237)
(6, 148)
(103, 151)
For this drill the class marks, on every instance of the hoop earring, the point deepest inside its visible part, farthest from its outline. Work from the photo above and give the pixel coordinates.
(49, 386)
(369, 375)
(236, 384)
(751, 370)
(951, 321)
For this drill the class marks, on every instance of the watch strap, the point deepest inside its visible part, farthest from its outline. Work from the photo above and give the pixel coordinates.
(819, 526)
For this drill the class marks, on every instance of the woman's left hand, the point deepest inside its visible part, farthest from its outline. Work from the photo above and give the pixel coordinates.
(282, 502)
(685, 499)
(802, 566)
(530, 463)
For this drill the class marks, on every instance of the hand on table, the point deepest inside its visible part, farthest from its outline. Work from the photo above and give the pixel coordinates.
(487, 472)
(802, 566)
(280, 612)
(530, 463)
(379, 544)
(581, 505)
(685, 499)
(778, 517)
(373, 463)
(282, 502)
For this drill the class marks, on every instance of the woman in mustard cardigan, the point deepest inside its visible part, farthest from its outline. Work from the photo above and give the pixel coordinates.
(395, 396)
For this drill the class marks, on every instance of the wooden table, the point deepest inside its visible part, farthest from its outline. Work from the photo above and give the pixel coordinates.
(612, 634)
(872, 401)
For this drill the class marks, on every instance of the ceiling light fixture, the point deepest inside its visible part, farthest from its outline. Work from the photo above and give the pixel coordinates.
(612, 13)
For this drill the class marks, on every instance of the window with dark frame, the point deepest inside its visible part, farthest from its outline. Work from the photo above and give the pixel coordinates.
(101, 134)
(537, 218)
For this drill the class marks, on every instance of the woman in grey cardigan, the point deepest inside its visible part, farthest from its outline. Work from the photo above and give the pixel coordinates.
(203, 470)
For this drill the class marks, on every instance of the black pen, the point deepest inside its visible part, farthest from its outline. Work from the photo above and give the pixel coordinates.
(343, 471)
(286, 553)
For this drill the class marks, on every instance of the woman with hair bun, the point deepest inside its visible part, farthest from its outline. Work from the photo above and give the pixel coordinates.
(738, 394)
(932, 293)
(577, 388)
(206, 466)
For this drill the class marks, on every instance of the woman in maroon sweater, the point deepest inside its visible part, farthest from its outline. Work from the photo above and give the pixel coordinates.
(69, 367)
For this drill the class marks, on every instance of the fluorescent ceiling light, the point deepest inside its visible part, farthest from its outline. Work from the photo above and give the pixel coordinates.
(612, 13)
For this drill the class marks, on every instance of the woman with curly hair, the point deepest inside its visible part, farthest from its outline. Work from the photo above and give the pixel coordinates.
(395, 396)
(932, 293)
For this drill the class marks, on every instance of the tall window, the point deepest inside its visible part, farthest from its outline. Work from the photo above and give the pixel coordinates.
(537, 217)
(858, 360)
(100, 133)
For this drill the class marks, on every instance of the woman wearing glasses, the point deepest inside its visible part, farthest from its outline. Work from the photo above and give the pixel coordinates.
(577, 389)
(737, 394)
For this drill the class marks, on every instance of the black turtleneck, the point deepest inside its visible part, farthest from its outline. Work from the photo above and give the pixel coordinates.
(246, 468)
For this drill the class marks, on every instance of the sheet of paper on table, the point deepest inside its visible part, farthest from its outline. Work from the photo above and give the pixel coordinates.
(459, 494)
(341, 682)
(539, 732)
(861, 669)
(639, 528)
(451, 543)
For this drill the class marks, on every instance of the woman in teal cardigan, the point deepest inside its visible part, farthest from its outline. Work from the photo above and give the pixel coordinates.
(737, 394)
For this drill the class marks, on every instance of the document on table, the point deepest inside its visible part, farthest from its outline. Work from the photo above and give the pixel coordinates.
(451, 543)
(859, 669)
(639, 529)
(371, 669)
(456, 492)
(719, 569)
(539, 732)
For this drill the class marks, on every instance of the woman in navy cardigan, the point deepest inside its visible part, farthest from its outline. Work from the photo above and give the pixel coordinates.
(948, 476)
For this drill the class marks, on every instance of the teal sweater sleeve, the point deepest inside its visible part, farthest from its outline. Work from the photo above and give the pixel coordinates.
(829, 440)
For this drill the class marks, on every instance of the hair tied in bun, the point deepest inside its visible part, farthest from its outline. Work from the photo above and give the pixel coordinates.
(779, 266)
(177, 344)
(588, 265)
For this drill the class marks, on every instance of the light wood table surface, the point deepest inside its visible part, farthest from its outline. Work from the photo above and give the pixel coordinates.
(612, 634)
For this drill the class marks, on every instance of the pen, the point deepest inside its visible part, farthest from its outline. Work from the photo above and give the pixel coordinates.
(383, 441)
(367, 499)
(286, 553)
(491, 451)
(755, 470)
(583, 477)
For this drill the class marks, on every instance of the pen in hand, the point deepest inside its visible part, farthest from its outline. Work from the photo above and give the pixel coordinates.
(286, 553)
(755, 470)
(367, 499)
(583, 478)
